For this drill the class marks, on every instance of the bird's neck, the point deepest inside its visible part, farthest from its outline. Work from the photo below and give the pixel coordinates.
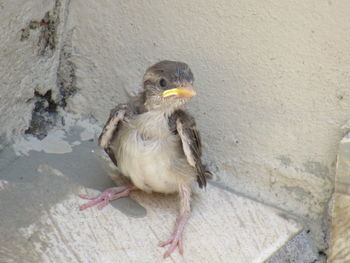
(152, 124)
(166, 109)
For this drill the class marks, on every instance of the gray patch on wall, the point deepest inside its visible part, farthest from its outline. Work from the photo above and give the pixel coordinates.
(316, 169)
(299, 192)
(285, 160)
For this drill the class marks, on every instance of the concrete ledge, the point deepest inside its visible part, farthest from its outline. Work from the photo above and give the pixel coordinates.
(340, 230)
(41, 221)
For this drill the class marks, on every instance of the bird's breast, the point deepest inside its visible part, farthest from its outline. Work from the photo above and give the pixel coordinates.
(149, 154)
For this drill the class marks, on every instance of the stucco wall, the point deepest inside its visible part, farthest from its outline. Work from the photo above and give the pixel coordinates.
(272, 80)
(22, 69)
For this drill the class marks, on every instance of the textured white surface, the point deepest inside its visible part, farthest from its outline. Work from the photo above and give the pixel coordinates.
(41, 221)
(222, 227)
(22, 70)
(48, 227)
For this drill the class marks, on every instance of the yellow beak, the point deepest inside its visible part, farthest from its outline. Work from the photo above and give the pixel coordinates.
(182, 92)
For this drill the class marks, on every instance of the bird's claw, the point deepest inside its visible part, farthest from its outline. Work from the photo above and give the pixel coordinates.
(174, 241)
(176, 238)
(94, 200)
(108, 195)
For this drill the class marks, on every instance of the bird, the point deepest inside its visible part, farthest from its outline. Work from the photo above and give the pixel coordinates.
(154, 141)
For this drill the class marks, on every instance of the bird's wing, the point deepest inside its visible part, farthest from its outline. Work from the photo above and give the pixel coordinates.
(111, 127)
(191, 143)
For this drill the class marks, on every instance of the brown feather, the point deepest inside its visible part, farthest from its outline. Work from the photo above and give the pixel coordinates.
(185, 126)
(111, 127)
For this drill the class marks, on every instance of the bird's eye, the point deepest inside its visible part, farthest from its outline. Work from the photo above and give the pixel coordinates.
(162, 83)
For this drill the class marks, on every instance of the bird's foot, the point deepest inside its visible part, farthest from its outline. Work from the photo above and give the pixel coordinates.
(174, 241)
(176, 238)
(106, 196)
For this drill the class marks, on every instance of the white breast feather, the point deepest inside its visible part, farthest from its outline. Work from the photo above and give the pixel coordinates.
(151, 155)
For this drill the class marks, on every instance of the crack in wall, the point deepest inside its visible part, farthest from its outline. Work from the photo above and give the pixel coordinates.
(66, 78)
(45, 114)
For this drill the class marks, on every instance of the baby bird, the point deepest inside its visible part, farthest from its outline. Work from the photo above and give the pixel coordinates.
(155, 142)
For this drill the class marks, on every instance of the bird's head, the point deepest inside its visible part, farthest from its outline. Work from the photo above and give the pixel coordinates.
(168, 85)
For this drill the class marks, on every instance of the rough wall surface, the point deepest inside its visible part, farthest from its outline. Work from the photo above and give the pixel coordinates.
(272, 81)
(22, 69)
(34, 77)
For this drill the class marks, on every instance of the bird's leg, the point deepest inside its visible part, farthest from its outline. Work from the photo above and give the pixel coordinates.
(185, 210)
(106, 196)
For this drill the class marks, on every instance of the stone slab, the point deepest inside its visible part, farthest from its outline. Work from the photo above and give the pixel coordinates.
(340, 229)
(40, 220)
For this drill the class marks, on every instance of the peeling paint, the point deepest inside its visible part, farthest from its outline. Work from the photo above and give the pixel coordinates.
(44, 115)
(55, 142)
(47, 40)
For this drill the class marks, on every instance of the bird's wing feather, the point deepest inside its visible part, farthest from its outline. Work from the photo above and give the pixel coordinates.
(191, 143)
(110, 129)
